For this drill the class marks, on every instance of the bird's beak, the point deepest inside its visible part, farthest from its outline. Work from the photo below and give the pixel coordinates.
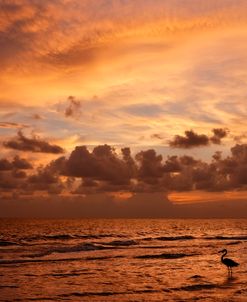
(219, 252)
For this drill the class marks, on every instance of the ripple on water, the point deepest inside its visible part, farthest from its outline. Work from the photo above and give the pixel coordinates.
(165, 256)
(196, 287)
(108, 293)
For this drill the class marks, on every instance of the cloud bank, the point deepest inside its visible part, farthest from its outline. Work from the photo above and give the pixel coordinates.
(192, 139)
(105, 170)
(106, 182)
(23, 143)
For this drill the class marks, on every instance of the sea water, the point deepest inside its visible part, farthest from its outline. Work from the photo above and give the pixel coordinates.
(122, 260)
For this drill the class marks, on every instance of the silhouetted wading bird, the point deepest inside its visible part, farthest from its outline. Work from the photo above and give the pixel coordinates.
(228, 262)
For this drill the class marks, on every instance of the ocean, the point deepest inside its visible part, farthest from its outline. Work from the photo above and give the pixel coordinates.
(122, 260)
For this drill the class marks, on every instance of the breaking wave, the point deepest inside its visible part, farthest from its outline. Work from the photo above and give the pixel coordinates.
(7, 243)
(227, 238)
(65, 237)
(164, 256)
(122, 243)
(71, 249)
(173, 238)
(170, 238)
(196, 287)
(108, 293)
(26, 261)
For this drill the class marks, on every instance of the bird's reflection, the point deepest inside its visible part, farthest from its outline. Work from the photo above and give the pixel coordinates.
(230, 280)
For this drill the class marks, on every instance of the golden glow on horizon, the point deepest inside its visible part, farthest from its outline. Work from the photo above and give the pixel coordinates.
(201, 196)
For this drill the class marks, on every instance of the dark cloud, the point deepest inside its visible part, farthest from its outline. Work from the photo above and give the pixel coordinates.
(192, 139)
(74, 107)
(5, 165)
(150, 166)
(23, 143)
(181, 182)
(239, 158)
(218, 135)
(204, 177)
(8, 182)
(16, 163)
(58, 165)
(13, 174)
(239, 152)
(240, 138)
(172, 165)
(221, 174)
(21, 163)
(19, 174)
(12, 180)
(188, 160)
(104, 170)
(101, 164)
(45, 180)
(157, 136)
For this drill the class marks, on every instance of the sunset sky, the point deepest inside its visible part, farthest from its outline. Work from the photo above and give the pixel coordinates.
(114, 99)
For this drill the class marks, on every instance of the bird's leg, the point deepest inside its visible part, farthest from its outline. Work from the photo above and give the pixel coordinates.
(230, 272)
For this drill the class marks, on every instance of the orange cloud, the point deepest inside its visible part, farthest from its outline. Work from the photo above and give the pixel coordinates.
(135, 67)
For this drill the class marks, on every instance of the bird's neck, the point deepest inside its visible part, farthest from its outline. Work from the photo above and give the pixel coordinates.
(222, 257)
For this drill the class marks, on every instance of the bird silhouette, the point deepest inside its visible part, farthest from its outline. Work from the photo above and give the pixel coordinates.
(228, 262)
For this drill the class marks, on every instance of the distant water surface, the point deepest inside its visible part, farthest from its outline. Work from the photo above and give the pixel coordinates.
(121, 260)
